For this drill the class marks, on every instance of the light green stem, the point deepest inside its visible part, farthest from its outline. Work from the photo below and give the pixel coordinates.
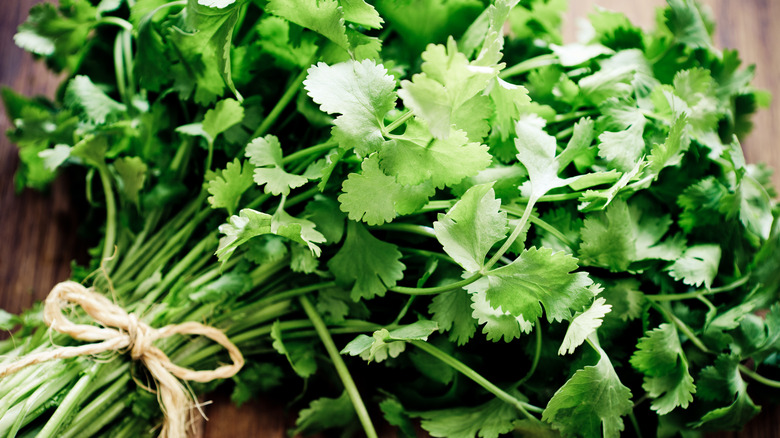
(108, 246)
(341, 367)
(699, 293)
(314, 150)
(281, 104)
(512, 237)
(397, 122)
(758, 377)
(437, 289)
(528, 65)
(464, 369)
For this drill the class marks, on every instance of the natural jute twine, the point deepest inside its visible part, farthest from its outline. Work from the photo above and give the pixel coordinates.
(128, 333)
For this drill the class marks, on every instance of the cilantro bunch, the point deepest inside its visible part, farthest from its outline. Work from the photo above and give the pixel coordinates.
(412, 207)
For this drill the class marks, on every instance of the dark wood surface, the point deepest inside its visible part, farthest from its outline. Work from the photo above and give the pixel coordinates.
(37, 230)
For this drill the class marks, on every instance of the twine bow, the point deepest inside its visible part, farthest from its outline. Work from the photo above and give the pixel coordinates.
(130, 334)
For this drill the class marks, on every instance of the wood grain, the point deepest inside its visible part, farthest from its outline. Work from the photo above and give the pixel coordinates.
(37, 230)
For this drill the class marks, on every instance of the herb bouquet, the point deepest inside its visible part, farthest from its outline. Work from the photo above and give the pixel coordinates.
(430, 212)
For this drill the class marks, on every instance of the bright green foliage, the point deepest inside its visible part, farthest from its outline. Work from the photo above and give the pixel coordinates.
(227, 187)
(325, 413)
(496, 323)
(591, 403)
(472, 226)
(659, 356)
(698, 265)
(132, 173)
(299, 230)
(583, 325)
(538, 277)
(299, 355)
(722, 382)
(623, 149)
(536, 152)
(226, 113)
(265, 153)
(371, 195)
(452, 311)
(446, 162)
(488, 420)
(84, 96)
(366, 263)
(441, 91)
(670, 152)
(389, 343)
(324, 17)
(362, 92)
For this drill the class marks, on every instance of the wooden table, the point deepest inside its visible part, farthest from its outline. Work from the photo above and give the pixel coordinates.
(38, 233)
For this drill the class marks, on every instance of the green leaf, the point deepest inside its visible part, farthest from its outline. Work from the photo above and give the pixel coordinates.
(452, 312)
(670, 152)
(299, 355)
(389, 343)
(625, 298)
(227, 187)
(591, 403)
(442, 162)
(8, 320)
(723, 382)
(55, 157)
(698, 265)
(226, 113)
(536, 152)
(366, 263)
(362, 92)
(446, 83)
(497, 324)
(395, 415)
(686, 21)
(488, 420)
(266, 154)
(537, 277)
(660, 357)
(583, 325)
(362, 13)
(298, 230)
(132, 174)
(255, 378)
(471, 227)
(325, 413)
(83, 95)
(239, 229)
(623, 149)
(322, 16)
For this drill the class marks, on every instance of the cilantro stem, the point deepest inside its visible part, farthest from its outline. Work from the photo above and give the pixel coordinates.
(758, 377)
(528, 65)
(116, 21)
(512, 237)
(420, 230)
(292, 293)
(635, 424)
(537, 356)
(119, 71)
(281, 104)
(564, 133)
(397, 122)
(464, 369)
(437, 205)
(313, 150)
(700, 293)
(297, 199)
(341, 367)
(70, 402)
(543, 225)
(437, 289)
(108, 245)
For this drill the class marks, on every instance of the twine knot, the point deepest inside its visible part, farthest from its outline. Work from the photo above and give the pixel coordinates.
(121, 331)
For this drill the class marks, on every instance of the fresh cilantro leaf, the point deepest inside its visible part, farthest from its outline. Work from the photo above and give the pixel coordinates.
(296, 229)
(239, 229)
(396, 416)
(698, 265)
(625, 298)
(497, 324)
(442, 162)
(723, 382)
(583, 325)
(591, 403)
(488, 420)
(132, 173)
(226, 113)
(575, 54)
(389, 343)
(366, 263)
(362, 92)
(325, 413)
(537, 277)
(322, 16)
(623, 149)
(227, 187)
(300, 355)
(452, 312)
(84, 96)
(660, 357)
(472, 226)
(265, 153)
(446, 83)
(688, 24)
(362, 13)
(536, 152)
